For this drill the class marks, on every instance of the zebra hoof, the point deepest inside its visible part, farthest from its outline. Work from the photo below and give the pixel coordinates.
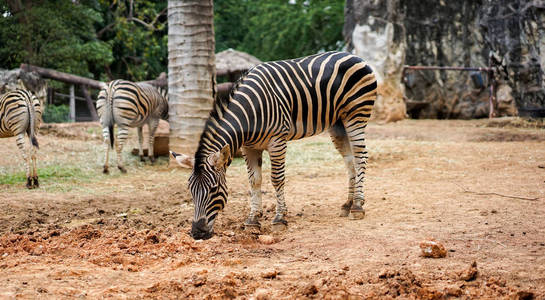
(152, 159)
(36, 183)
(105, 170)
(122, 169)
(252, 223)
(279, 224)
(142, 159)
(29, 184)
(344, 213)
(356, 214)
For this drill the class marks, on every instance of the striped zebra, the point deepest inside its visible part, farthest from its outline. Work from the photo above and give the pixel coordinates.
(130, 104)
(20, 113)
(271, 104)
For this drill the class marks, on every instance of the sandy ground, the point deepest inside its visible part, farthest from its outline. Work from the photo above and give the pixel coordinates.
(476, 187)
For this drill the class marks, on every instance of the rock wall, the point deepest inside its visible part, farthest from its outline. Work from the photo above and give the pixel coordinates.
(17, 79)
(393, 33)
(371, 30)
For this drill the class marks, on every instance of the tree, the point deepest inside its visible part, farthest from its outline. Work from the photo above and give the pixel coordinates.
(191, 69)
(279, 29)
(51, 34)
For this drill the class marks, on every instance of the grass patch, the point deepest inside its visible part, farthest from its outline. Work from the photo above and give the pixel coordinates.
(57, 172)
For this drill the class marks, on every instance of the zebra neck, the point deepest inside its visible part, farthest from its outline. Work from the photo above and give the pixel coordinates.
(220, 130)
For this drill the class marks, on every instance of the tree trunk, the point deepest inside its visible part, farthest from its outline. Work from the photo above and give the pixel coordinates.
(191, 71)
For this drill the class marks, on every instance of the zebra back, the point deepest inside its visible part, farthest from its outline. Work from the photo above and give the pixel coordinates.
(298, 98)
(131, 104)
(20, 111)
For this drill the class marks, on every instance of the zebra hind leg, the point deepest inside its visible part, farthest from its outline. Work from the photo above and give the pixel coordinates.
(152, 126)
(122, 134)
(106, 136)
(253, 165)
(140, 141)
(357, 142)
(277, 153)
(20, 140)
(342, 144)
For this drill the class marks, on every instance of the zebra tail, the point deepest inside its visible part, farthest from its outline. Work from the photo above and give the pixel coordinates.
(32, 121)
(111, 130)
(107, 118)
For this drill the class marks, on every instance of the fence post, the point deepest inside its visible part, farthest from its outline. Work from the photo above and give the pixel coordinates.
(72, 104)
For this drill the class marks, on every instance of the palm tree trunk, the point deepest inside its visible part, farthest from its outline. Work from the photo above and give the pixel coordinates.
(191, 70)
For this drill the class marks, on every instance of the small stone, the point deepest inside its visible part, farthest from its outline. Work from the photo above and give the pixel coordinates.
(453, 291)
(470, 273)
(433, 249)
(309, 290)
(266, 239)
(262, 294)
(269, 274)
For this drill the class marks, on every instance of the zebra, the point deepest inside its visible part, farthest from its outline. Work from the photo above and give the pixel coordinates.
(273, 103)
(130, 104)
(20, 113)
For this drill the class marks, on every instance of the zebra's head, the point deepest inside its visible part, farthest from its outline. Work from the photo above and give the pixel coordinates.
(208, 189)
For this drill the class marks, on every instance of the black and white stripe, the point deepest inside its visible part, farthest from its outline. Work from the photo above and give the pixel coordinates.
(130, 104)
(20, 113)
(276, 102)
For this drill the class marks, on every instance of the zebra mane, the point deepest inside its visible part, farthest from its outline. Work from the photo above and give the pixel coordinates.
(218, 110)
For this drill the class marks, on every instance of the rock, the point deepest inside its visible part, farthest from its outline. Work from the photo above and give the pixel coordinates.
(388, 36)
(262, 294)
(269, 274)
(266, 239)
(470, 273)
(453, 291)
(433, 249)
(309, 290)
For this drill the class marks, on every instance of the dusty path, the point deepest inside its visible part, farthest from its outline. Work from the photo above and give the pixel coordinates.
(476, 189)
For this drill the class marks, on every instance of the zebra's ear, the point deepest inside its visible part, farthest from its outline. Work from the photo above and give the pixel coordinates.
(183, 160)
(220, 159)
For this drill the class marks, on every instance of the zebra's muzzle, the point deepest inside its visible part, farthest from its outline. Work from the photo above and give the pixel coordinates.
(200, 230)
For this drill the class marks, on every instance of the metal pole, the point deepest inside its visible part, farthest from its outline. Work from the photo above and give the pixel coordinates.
(72, 104)
(447, 68)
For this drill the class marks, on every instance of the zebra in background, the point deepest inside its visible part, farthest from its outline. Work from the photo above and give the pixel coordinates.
(20, 113)
(130, 104)
(271, 104)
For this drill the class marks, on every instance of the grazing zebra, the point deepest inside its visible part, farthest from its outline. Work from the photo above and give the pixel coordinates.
(271, 104)
(20, 113)
(130, 104)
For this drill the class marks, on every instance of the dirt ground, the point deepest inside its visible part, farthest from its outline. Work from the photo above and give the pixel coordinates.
(477, 187)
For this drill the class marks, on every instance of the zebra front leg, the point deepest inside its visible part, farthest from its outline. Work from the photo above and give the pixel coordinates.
(342, 144)
(20, 140)
(140, 141)
(122, 133)
(277, 153)
(357, 143)
(152, 126)
(253, 165)
(106, 136)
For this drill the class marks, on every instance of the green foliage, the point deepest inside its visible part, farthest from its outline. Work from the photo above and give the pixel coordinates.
(279, 29)
(105, 39)
(56, 114)
(99, 39)
(52, 34)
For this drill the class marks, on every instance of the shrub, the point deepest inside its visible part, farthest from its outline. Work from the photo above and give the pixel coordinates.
(56, 113)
